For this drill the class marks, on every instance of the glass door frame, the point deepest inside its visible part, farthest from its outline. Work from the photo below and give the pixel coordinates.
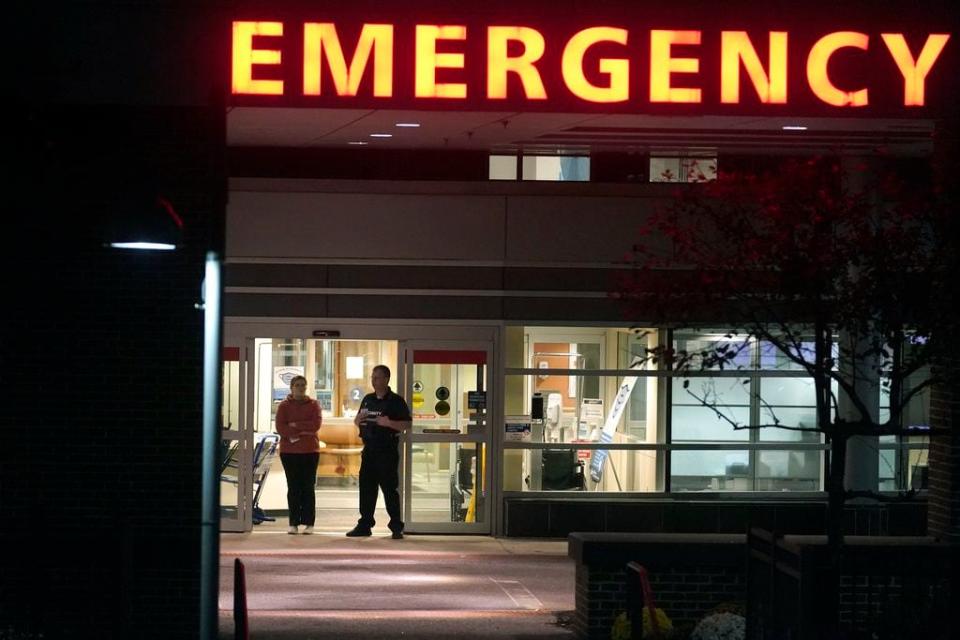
(485, 439)
(243, 435)
(242, 332)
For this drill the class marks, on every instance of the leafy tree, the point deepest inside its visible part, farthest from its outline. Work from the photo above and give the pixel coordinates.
(844, 269)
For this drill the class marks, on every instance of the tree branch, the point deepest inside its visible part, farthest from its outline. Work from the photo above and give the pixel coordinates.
(777, 426)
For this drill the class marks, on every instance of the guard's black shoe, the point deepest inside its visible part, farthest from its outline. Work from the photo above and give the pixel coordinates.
(358, 532)
(397, 535)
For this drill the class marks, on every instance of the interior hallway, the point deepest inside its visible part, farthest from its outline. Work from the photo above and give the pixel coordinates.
(431, 587)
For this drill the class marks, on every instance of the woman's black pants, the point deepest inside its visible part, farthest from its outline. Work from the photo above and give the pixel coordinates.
(301, 472)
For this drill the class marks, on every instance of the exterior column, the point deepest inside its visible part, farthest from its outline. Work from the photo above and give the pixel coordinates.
(862, 460)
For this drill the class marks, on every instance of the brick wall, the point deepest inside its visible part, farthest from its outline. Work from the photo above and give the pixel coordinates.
(894, 586)
(102, 375)
(943, 520)
(558, 517)
(690, 574)
(686, 593)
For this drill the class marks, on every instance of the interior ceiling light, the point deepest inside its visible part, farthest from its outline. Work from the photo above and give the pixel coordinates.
(408, 125)
(357, 142)
(794, 127)
(381, 135)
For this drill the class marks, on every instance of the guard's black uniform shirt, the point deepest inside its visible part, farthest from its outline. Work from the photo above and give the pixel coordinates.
(390, 405)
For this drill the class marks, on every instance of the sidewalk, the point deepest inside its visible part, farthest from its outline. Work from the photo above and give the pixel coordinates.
(430, 587)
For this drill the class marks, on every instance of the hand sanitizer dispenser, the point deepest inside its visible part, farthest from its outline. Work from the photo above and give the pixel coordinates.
(551, 417)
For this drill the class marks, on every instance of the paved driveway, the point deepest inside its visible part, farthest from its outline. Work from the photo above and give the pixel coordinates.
(329, 586)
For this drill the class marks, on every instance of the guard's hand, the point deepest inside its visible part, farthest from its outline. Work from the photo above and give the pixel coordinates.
(383, 421)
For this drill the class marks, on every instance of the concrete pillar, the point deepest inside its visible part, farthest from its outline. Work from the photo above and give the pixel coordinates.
(862, 463)
(862, 467)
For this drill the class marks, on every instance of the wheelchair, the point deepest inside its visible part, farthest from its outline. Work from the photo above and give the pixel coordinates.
(462, 484)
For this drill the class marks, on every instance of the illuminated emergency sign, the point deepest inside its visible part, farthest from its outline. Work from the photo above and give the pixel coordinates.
(594, 65)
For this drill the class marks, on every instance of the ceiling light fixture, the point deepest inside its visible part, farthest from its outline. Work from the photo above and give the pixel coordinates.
(794, 127)
(408, 125)
(144, 246)
(381, 135)
(357, 142)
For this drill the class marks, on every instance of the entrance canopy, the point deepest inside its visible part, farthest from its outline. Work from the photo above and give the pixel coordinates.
(570, 133)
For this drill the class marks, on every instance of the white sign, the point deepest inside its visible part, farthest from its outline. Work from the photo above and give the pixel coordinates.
(591, 411)
(281, 380)
(610, 426)
(354, 367)
(517, 429)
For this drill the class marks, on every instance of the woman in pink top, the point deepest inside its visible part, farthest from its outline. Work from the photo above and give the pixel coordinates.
(298, 421)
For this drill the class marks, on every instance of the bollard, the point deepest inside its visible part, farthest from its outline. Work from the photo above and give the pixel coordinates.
(240, 624)
(637, 573)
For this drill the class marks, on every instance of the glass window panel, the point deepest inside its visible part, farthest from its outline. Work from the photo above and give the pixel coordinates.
(887, 469)
(796, 392)
(702, 423)
(503, 167)
(728, 397)
(638, 410)
(524, 347)
(682, 169)
(791, 417)
(351, 385)
(229, 481)
(442, 403)
(633, 345)
(572, 470)
(900, 469)
(273, 497)
(324, 373)
(710, 471)
(788, 471)
(567, 420)
(556, 168)
(337, 372)
(773, 357)
(591, 360)
(575, 168)
(455, 494)
(918, 463)
(230, 406)
(711, 343)
(719, 391)
(917, 411)
(883, 415)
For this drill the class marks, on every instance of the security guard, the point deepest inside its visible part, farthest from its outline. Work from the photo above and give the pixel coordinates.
(382, 417)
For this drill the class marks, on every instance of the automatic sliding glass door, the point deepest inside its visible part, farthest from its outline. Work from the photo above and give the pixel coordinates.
(447, 453)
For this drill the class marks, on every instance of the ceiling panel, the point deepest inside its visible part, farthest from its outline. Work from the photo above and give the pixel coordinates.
(567, 132)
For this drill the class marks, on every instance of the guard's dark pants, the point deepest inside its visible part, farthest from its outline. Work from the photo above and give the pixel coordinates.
(301, 472)
(380, 468)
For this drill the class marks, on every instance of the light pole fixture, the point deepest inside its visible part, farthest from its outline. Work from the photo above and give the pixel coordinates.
(145, 224)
